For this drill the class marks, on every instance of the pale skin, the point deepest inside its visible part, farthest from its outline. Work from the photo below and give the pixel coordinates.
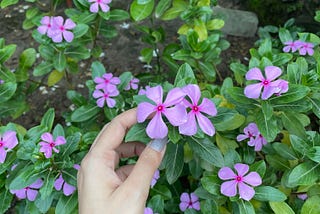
(105, 188)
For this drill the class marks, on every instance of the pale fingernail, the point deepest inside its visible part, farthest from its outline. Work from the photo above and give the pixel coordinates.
(158, 144)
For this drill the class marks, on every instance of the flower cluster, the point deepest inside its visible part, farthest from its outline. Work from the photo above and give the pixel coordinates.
(252, 133)
(174, 108)
(303, 47)
(48, 144)
(7, 142)
(189, 201)
(269, 86)
(30, 192)
(56, 28)
(239, 181)
(103, 4)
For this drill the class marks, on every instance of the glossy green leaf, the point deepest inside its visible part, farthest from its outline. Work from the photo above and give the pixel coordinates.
(6, 3)
(268, 193)
(7, 90)
(281, 208)
(7, 51)
(293, 124)
(311, 206)
(284, 151)
(295, 92)
(243, 207)
(137, 133)
(84, 113)
(5, 200)
(173, 161)
(60, 61)
(141, 11)
(185, 71)
(303, 174)
(161, 7)
(80, 30)
(267, 126)
(66, 204)
(47, 186)
(119, 15)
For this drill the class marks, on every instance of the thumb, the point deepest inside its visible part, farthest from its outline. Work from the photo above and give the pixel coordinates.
(140, 178)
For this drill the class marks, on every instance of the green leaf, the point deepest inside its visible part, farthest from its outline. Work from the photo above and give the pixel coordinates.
(43, 68)
(236, 96)
(207, 151)
(97, 69)
(54, 77)
(265, 48)
(125, 78)
(293, 124)
(268, 193)
(173, 161)
(23, 178)
(48, 119)
(162, 6)
(71, 145)
(119, 15)
(281, 59)
(157, 203)
(285, 35)
(139, 12)
(44, 205)
(137, 133)
(267, 109)
(299, 145)
(178, 7)
(227, 119)
(303, 174)
(259, 167)
(84, 113)
(314, 154)
(46, 52)
(211, 184)
(80, 30)
(284, 151)
(185, 72)
(76, 98)
(7, 90)
(6, 3)
(5, 200)
(66, 204)
(225, 144)
(146, 54)
(78, 53)
(295, 92)
(47, 186)
(208, 70)
(7, 51)
(162, 190)
(311, 206)
(60, 61)
(281, 208)
(215, 24)
(6, 75)
(267, 127)
(243, 207)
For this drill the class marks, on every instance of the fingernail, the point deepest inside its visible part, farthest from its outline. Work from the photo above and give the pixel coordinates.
(158, 144)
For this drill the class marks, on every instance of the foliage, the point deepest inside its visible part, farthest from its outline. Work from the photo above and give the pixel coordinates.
(288, 164)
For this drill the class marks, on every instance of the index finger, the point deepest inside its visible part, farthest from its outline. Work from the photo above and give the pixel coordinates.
(112, 135)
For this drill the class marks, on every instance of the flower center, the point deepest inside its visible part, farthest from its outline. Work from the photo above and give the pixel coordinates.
(190, 203)
(106, 95)
(52, 144)
(265, 82)
(195, 108)
(26, 188)
(49, 25)
(238, 178)
(1, 144)
(106, 81)
(250, 135)
(61, 28)
(160, 108)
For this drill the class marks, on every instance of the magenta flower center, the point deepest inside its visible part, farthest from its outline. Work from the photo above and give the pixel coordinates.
(61, 28)
(265, 82)
(99, 1)
(238, 178)
(26, 188)
(52, 144)
(195, 108)
(190, 203)
(106, 95)
(1, 144)
(160, 108)
(250, 135)
(106, 81)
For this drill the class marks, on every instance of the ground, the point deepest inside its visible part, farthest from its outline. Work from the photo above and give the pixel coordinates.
(121, 55)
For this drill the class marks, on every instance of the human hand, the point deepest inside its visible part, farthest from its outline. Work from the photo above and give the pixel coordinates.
(102, 188)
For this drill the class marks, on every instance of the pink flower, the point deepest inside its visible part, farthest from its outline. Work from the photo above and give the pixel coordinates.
(1, 81)
(306, 48)
(29, 192)
(105, 97)
(48, 144)
(132, 84)
(302, 196)
(47, 26)
(61, 29)
(206, 106)
(281, 86)
(107, 82)
(155, 178)
(255, 138)
(148, 210)
(94, 8)
(171, 108)
(269, 87)
(67, 188)
(189, 202)
(7, 142)
(239, 181)
(76, 166)
(143, 91)
(291, 45)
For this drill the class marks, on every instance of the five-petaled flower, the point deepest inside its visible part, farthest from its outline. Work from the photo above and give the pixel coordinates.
(61, 29)
(255, 138)
(107, 82)
(269, 87)
(7, 142)
(60, 183)
(189, 201)
(239, 181)
(155, 178)
(292, 46)
(196, 110)
(103, 4)
(306, 48)
(46, 27)
(171, 108)
(29, 192)
(133, 84)
(105, 96)
(48, 144)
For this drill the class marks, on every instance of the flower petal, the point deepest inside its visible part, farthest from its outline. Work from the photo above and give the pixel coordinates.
(94, 8)
(174, 97)
(185, 197)
(246, 192)
(176, 115)
(60, 140)
(21, 193)
(100, 102)
(37, 184)
(229, 188)
(10, 139)
(254, 74)
(47, 137)
(208, 107)
(241, 168)
(272, 72)
(225, 173)
(253, 91)
(144, 110)
(68, 189)
(155, 94)
(58, 183)
(241, 137)
(196, 205)
(68, 36)
(111, 102)
(69, 24)
(194, 197)
(268, 91)
(253, 178)
(205, 124)
(193, 92)
(3, 154)
(183, 206)
(32, 194)
(157, 128)
(190, 127)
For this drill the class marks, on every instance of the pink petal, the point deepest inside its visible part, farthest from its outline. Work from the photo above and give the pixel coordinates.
(302, 51)
(190, 127)
(69, 24)
(252, 128)
(155, 94)
(183, 206)
(21, 193)
(10, 139)
(144, 110)
(58, 183)
(115, 80)
(32, 194)
(258, 145)
(114, 93)
(253, 178)
(208, 107)
(272, 72)
(98, 80)
(225, 173)
(111, 102)
(241, 137)
(229, 188)
(104, 7)
(100, 102)
(193, 92)
(310, 51)
(47, 137)
(241, 168)
(246, 192)
(57, 38)
(196, 205)
(55, 149)
(174, 96)
(68, 189)
(157, 128)
(205, 124)
(286, 49)
(194, 197)
(253, 91)
(185, 197)
(37, 184)
(60, 140)
(176, 115)
(268, 91)
(45, 20)
(68, 36)
(47, 150)
(3, 154)
(42, 29)
(97, 94)
(254, 74)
